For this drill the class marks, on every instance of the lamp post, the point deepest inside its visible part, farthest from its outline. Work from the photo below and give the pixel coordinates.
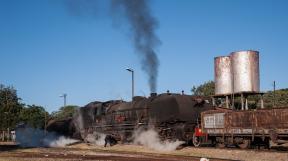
(64, 96)
(45, 122)
(132, 71)
(274, 87)
(7, 122)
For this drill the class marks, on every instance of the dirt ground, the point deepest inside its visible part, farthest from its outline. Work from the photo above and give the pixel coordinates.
(84, 151)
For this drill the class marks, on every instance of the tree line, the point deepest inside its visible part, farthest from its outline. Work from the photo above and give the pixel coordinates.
(279, 98)
(14, 112)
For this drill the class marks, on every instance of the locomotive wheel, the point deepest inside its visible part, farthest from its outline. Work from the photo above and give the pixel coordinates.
(245, 144)
(220, 145)
(220, 142)
(196, 140)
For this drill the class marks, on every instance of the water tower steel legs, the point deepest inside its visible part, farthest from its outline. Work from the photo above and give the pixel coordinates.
(262, 102)
(246, 103)
(242, 101)
(227, 102)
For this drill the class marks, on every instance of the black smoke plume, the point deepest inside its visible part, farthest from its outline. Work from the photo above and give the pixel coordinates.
(142, 27)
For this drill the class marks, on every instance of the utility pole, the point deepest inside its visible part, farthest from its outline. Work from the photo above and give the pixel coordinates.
(7, 122)
(64, 96)
(45, 123)
(274, 96)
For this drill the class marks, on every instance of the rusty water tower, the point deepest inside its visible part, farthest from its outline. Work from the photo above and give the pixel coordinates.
(237, 75)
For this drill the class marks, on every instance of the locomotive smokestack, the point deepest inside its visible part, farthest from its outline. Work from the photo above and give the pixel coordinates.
(153, 94)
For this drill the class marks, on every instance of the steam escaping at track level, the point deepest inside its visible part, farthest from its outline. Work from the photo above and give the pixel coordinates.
(96, 138)
(61, 141)
(30, 137)
(151, 139)
(148, 138)
(142, 26)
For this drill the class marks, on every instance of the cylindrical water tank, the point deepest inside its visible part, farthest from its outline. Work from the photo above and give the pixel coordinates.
(223, 75)
(245, 67)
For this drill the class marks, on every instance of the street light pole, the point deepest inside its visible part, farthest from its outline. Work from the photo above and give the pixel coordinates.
(274, 87)
(132, 71)
(45, 123)
(132, 85)
(7, 122)
(64, 96)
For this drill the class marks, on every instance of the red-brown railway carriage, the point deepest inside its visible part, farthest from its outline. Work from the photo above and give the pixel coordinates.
(243, 128)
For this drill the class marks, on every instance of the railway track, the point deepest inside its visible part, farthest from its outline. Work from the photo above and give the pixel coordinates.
(98, 155)
(278, 149)
(139, 153)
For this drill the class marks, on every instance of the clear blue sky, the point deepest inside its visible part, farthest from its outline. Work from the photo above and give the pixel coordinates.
(45, 51)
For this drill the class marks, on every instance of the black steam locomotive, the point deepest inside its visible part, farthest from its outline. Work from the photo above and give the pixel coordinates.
(174, 116)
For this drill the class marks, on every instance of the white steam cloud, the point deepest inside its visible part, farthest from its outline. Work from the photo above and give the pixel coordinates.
(150, 138)
(96, 138)
(30, 137)
(61, 142)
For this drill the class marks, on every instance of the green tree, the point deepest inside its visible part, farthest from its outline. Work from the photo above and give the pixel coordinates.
(10, 107)
(281, 98)
(34, 116)
(205, 89)
(64, 112)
